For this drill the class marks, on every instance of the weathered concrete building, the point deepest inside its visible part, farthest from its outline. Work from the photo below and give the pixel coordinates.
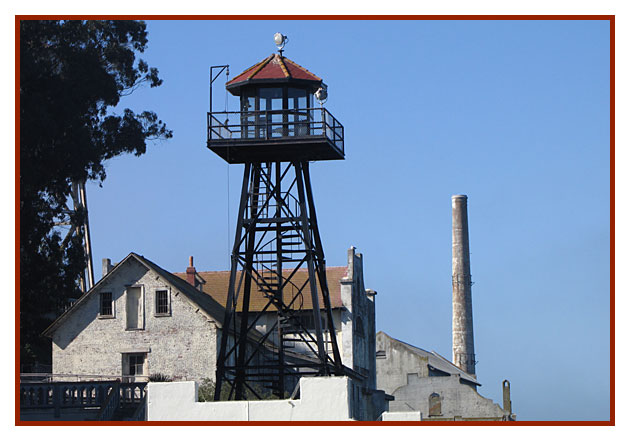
(427, 383)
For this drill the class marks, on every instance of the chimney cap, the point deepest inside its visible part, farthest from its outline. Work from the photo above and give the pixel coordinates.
(459, 196)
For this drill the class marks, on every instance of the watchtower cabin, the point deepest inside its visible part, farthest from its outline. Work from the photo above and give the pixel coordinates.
(277, 262)
(278, 120)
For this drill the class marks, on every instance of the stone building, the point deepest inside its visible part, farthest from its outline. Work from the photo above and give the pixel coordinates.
(428, 384)
(136, 321)
(140, 319)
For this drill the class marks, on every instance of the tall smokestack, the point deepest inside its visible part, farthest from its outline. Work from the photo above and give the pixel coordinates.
(463, 343)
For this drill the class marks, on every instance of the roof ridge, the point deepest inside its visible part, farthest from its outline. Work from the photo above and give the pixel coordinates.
(283, 67)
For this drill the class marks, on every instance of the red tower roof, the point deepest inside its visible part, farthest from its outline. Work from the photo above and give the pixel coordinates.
(274, 68)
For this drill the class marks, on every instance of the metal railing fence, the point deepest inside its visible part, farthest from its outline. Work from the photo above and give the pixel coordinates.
(275, 125)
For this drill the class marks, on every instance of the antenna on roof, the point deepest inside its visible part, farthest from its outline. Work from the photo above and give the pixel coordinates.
(281, 41)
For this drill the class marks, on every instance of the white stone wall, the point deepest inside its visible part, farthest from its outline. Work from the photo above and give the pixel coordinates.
(182, 345)
(321, 399)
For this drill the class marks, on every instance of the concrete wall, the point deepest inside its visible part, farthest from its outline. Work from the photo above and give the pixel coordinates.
(321, 399)
(181, 345)
(456, 399)
(358, 321)
(401, 416)
(392, 371)
(405, 375)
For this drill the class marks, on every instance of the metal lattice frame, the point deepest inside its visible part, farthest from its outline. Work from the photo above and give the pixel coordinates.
(276, 235)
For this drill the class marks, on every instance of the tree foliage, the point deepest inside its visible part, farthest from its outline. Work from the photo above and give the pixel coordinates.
(72, 75)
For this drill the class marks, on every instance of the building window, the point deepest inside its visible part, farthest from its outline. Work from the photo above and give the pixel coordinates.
(106, 305)
(133, 364)
(162, 306)
(135, 309)
(435, 405)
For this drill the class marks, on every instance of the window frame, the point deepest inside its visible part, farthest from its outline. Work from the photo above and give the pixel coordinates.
(127, 364)
(100, 305)
(169, 311)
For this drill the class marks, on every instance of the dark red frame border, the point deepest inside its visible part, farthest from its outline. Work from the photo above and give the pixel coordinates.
(610, 18)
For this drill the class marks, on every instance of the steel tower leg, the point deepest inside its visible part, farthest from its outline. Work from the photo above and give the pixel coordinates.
(230, 307)
(278, 260)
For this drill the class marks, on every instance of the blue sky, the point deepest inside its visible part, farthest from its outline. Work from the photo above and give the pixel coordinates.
(515, 114)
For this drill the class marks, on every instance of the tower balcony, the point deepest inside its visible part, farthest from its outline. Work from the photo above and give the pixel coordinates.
(310, 134)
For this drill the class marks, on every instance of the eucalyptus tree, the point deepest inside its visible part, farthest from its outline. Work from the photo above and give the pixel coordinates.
(73, 74)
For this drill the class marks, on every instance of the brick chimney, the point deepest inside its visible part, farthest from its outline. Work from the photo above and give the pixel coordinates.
(190, 272)
(107, 266)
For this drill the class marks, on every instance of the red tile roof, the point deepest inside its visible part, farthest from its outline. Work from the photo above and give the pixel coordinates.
(272, 68)
(217, 283)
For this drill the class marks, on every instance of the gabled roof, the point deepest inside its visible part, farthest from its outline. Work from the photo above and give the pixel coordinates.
(217, 283)
(436, 361)
(273, 68)
(204, 302)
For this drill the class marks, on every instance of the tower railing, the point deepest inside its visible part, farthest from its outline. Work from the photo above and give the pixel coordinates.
(280, 125)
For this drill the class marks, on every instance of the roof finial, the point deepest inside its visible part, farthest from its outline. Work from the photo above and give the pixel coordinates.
(281, 41)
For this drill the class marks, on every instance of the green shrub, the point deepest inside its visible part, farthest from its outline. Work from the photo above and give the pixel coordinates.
(159, 378)
(206, 389)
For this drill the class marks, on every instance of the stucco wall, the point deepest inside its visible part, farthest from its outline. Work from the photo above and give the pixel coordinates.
(321, 399)
(182, 345)
(456, 399)
(392, 370)
(405, 375)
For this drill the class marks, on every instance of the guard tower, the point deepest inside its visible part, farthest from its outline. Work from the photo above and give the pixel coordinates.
(277, 259)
